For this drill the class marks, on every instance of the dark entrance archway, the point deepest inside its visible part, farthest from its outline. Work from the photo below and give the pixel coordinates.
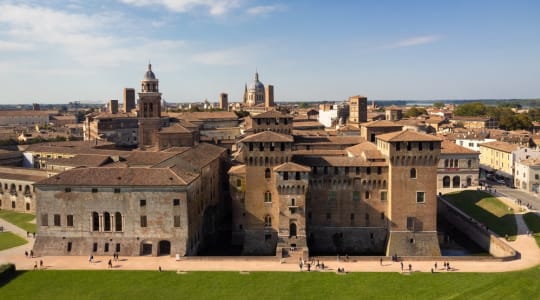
(469, 181)
(292, 230)
(146, 248)
(164, 248)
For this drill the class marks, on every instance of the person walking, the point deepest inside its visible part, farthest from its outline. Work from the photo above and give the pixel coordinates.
(110, 264)
(380, 261)
(41, 264)
(401, 266)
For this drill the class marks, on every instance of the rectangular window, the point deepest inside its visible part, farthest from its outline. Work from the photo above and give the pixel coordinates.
(106, 248)
(356, 196)
(238, 182)
(328, 216)
(368, 170)
(94, 190)
(143, 221)
(117, 247)
(142, 202)
(44, 220)
(67, 190)
(410, 223)
(94, 247)
(116, 191)
(13, 204)
(379, 170)
(57, 220)
(357, 170)
(384, 195)
(420, 197)
(69, 247)
(176, 202)
(176, 221)
(69, 220)
(420, 146)
(398, 146)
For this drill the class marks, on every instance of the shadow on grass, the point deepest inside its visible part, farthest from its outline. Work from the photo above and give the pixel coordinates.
(6, 278)
(468, 202)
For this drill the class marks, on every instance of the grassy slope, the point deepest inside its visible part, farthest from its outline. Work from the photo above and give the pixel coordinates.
(533, 222)
(21, 220)
(487, 210)
(10, 240)
(269, 285)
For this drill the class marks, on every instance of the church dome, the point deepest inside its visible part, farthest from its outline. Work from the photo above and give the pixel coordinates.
(256, 84)
(149, 75)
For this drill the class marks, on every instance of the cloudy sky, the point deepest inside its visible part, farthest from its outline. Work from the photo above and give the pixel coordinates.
(54, 51)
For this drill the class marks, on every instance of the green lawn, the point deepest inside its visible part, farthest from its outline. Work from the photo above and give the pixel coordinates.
(486, 209)
(21, 220)
(10, 240)
(269, 285)
(533, 222)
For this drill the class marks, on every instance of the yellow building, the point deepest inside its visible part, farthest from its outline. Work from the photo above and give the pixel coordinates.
(497, 157)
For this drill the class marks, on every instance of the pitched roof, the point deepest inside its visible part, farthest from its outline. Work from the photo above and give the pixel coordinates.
(237, 170)
(267, 136)
(336, 161)
(147, 158)
(449, 147)
(82, 160)
(115, 177)
(501, 146)
(407, 136)
(291, 167)
(174, 128)
(272, 114)
(357, 150)
(333, 140)
(381, 123)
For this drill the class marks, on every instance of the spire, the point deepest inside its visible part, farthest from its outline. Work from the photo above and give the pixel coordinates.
(149, 66)
(256, 75)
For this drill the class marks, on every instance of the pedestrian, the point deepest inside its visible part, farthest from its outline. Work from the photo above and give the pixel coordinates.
(401, 266)
(35, 266)
(110, 264)
(32, 253)
(159, 269)
(300, 265)
(435, 265)
(27, 234)
(380, 261)
(432, 271)
(91, 258)
(410, 267)
(33, 234)
(41, 264)
(26, 254)
(322, 266)
(308, 267)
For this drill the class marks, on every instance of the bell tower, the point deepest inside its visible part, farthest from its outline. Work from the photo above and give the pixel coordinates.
(149, 109)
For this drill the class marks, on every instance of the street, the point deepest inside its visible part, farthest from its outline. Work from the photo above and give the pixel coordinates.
(516, 194)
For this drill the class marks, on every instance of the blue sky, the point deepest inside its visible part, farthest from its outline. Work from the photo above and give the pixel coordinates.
(54, 51)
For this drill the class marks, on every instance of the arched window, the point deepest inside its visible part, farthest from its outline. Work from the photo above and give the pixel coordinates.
(117, 221)
(267, 196)
(106, 221)
(446, 182)
(267, 221)
(267, 173)
(455, 181)
(413, 173)
(95, 221)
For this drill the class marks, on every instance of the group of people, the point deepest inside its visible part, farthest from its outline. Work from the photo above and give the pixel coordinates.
(40, 264)
(29, 255)
(318, 264)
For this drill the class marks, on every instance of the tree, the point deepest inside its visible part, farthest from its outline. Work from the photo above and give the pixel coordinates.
(471, 109)
(438, 104)
(414, 112)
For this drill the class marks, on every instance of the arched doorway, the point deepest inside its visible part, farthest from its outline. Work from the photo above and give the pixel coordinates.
(164, 248)
(292, 230)
(469, 181)
(146, 248)
(446, 181)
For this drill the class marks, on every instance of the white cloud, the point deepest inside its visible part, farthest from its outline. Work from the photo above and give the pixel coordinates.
(264, 9)
(414, 41)
(214, 7)
(14, 46)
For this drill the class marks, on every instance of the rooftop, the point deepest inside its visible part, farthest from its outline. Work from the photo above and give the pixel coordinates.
(408, 136)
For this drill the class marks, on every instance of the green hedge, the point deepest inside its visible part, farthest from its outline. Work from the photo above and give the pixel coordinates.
(7, 272)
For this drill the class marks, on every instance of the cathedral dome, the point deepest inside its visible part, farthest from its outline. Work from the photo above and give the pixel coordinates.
(256, 84)
(149, 75)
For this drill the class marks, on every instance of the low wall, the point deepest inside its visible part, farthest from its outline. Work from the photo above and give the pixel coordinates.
(476, 231)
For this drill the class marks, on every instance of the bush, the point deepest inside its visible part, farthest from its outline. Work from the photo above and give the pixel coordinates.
(7, 272)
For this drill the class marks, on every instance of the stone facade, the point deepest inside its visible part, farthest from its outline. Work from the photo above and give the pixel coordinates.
(458, 167)
(17, 188)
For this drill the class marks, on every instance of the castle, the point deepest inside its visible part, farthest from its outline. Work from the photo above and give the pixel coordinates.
(288, 190)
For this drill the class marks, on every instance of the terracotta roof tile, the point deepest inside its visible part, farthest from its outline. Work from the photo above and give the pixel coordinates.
(291, 167)
(407, 136)
(267, 136)
(272, 114)
(501, 146)
(449, 147)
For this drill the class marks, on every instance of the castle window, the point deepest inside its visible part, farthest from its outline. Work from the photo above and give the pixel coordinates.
(379, 170)
(267, 221)
(325, 171)
(420, 146)
(420, 197)
(69, 220)
(356, 196)
(469, 163)
(346, 170)
(95, 221)
(410, 223)
(94, 190)
(285, 175)
(282, 146)
(267, 197)
(366, 195)
(413, 173)
(398, 146)
(44, 220)
(176, 202)
(536, 176)
(285, 121)
(409, 146)
(116, 191)
(297, 176)
(382, 216)
(336, 171)
(106, 221)
(176, 221)
(368, 170)
(384, 195)
(57, 220)
(446, 163)
(314, 170)
(144, 221)
(142, 203)
(250, 146)
(118, 221)
(272, 147)
(261, 146)
(446, 181)
(431, 146)
(238, 182)
(357, 170)
(67, 190)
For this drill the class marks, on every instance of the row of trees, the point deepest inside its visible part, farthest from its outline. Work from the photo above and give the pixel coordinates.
(504, 113)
